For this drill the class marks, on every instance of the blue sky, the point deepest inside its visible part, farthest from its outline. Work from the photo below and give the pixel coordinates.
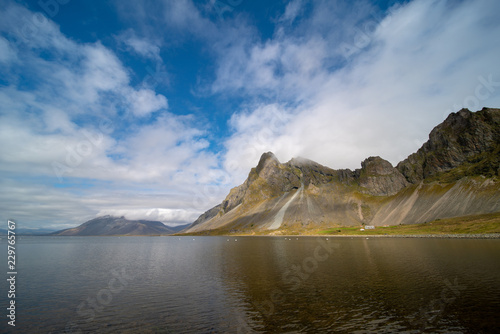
(155, 109)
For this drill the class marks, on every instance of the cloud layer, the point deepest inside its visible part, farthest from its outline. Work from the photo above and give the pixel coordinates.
(403, 74)
(86, 130)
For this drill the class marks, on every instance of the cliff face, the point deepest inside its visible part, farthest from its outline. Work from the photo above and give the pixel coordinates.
(380, 178)
(464, 137)
(454, 173)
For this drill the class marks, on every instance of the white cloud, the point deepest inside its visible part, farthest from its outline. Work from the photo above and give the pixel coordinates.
(420, 61)
(156, 152)
(32, 204)
(292, 10)
(145, 101)
(256, 132)
(76, 124)
(31, 29)
(170, 217)
(102, 70)
(169, 22)
(141, 46)
(251, 71)
(301, 96)
(57, 120)
(7, 53)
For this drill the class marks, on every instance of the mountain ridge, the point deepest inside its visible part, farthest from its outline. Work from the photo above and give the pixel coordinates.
(110, 225)
(454, 173)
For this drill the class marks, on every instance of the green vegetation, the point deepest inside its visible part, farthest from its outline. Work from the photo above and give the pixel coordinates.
(475, 224)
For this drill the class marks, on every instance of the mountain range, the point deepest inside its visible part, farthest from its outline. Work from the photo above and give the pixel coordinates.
(109, 225)
(28, 231)
(455, 173)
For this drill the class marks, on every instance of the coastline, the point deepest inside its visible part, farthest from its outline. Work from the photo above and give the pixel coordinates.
(430, 236)
(435, 236)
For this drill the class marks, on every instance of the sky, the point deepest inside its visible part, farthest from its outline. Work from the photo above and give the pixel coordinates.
(156, 109)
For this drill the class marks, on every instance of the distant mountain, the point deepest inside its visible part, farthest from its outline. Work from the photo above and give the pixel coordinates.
(178, 228)
(455, 173)
(108, 225)
(29, 231)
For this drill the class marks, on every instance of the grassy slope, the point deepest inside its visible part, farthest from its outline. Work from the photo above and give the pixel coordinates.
(475, 224)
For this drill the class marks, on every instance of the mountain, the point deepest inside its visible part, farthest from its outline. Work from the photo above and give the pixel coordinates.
(455, 173)
(29, 231)
(108, 225)
(178, 228)
(467, 143)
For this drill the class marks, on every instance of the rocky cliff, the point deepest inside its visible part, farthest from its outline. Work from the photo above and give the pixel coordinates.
(465, 139)
(454, 173)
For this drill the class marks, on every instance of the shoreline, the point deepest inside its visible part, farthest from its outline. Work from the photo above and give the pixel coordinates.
(435, 236)
(430, 236)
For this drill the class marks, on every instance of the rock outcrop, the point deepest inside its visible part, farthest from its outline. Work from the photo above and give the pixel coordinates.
(380, 178)
(454, 173)
(463, 137)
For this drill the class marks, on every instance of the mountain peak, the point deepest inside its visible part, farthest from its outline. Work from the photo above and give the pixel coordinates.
(268, 156)
(464, 113)
(463, 136)
(265, 160)
(377, 166)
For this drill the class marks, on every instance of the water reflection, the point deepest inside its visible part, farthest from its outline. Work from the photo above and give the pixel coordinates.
(258, 284)
(368, 285)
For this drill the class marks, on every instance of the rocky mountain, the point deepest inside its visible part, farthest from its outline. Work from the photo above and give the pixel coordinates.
(455, 173)
(465, 139)
(108, 225)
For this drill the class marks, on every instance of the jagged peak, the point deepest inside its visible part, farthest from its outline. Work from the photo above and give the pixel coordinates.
(377, 166)
(268, 155)
(463, 115)
(374, 158)
(453, 118)
(464, 112)
(461, 136)
(266, 159)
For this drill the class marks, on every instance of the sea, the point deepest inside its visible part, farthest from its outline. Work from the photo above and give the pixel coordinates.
(252, 285)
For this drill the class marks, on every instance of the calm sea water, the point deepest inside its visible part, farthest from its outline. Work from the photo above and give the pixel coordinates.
(254, 284)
